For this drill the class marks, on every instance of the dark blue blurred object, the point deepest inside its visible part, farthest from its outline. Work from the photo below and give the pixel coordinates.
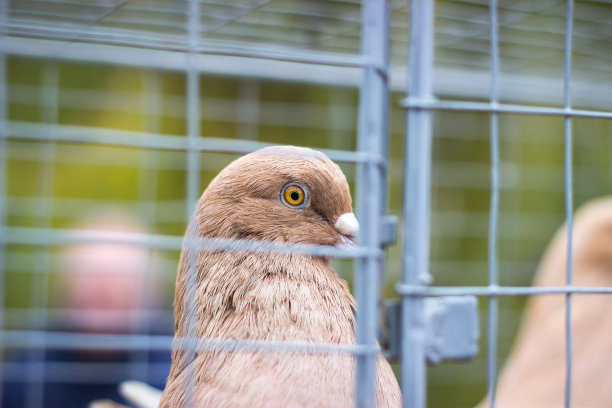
(74, 378)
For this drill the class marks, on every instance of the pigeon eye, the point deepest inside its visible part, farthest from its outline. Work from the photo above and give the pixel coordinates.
(294, 195)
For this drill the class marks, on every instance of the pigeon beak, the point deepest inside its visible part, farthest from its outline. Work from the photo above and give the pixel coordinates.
(347, 225)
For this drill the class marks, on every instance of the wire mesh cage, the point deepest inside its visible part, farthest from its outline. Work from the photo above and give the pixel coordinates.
(116, 114)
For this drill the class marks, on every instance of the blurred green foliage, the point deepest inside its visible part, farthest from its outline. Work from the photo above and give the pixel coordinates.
(60, 185)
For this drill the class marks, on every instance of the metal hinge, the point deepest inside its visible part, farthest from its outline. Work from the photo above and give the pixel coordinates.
(388, 235)
(451, 329)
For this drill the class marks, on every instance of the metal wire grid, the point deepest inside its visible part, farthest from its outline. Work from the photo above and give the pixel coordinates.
(369, 255)
(156, 141)
(414, 285)
(329, 26)
(325, 33)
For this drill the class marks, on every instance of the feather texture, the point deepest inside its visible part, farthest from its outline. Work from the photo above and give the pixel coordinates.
(269, 296)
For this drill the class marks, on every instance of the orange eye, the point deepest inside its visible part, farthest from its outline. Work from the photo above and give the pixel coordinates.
(294, 195)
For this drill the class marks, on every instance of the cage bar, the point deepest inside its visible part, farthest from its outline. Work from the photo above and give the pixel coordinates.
(569, 204)
(19, 130)
(86, 341)
(40, 287)
(410, 290)
(58, 237)
(193, 189)
(417, 205)
(470, 106)
(494, 209)
(371, 182)
(3, 179)
(148, 188)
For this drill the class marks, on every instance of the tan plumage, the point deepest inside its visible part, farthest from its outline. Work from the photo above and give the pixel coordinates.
(534, 375)
(263, 296)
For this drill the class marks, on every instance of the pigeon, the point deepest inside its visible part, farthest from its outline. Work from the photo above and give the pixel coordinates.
(534, 374)
(279, 194)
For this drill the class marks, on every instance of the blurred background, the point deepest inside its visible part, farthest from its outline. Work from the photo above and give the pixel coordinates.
(95, 99)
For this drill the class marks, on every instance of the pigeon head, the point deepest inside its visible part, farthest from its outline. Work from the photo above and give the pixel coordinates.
(280, 194)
